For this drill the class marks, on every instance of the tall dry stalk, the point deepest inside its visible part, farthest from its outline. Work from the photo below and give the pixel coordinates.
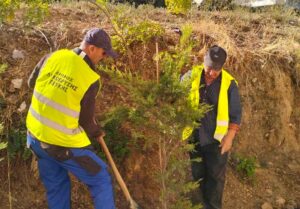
(8, 178)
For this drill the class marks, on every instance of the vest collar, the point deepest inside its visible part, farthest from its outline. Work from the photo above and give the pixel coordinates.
(85, 57)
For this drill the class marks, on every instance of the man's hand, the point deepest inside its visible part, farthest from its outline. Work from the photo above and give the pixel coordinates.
(226, 142)
(101, 135)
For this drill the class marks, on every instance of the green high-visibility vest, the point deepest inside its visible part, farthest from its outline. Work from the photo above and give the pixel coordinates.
(53, 116)
(223, 108)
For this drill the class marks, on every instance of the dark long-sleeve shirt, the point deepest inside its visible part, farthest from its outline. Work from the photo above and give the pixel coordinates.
(88, 102)
(209, 94)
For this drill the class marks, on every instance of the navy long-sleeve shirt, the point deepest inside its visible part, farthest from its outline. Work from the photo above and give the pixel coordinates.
(209, 94)
(87, 111)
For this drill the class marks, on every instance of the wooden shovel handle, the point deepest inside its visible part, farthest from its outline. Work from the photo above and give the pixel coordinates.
(115, 170)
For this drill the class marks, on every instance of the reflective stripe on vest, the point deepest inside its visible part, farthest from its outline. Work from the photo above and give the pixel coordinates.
(223, 108)
(53, 116)
(55, 105)
(54, 125)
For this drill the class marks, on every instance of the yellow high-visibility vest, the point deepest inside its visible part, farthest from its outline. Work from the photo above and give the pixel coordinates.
(53, 116)
(223, 108)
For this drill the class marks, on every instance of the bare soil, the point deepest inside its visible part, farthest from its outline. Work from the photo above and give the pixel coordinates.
(268, 85)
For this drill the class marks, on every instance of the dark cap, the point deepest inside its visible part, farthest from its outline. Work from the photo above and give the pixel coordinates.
(215, 57)
(100, 39)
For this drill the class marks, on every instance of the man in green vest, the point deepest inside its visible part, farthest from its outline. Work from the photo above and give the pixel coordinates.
(214, 86)
(61, 121)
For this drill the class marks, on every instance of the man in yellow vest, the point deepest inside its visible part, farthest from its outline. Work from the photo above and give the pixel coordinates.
(214, 86)
(61, 122)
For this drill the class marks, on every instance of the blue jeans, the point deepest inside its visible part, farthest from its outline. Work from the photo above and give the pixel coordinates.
(54, 175)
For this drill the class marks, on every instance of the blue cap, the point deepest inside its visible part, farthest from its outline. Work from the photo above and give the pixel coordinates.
(100, 39)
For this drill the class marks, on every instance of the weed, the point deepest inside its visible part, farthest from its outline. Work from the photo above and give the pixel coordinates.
(17, 144)
(3, 145)
(246, 166)
(3, 68)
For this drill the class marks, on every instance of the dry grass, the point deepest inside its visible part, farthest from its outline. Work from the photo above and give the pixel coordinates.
(253, 40)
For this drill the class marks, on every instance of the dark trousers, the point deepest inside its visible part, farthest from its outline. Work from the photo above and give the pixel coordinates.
(210, 172)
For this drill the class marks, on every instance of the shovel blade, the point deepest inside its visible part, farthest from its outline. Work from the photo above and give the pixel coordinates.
(134, 205)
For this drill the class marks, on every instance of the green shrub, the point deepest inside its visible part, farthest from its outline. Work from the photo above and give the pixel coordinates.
(140, 32)
(212, 5)
(7, 9)
(178, 6)
(17, 144)
(35, 10)
(247, 166)
(116, 140)
(156, 115)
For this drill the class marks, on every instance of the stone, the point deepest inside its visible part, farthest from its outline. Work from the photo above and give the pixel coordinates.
(22, 107)
(17, 83)
(266, 205)
(280, 201)
(269, 192)
(17, 54)
(254, 80)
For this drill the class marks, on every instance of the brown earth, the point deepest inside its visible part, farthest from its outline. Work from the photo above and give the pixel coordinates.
(261, 57)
